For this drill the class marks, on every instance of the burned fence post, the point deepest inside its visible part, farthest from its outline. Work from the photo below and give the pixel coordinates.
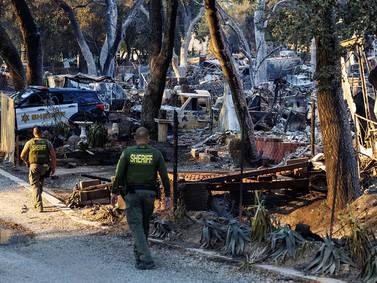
(242, 153)
(211, 114)
(175, 162)
(312, 127)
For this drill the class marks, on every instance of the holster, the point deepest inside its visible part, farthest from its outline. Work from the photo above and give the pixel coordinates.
(131, 189)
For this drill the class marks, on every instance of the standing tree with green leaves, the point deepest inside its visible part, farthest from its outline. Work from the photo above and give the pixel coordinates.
(297, 24)
(340, 157)
(359, 17)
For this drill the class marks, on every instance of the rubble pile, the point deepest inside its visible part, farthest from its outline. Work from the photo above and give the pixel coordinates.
(215, 148)
(281, 115)
(207, 120)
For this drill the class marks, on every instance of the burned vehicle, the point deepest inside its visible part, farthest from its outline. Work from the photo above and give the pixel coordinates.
(193, 109)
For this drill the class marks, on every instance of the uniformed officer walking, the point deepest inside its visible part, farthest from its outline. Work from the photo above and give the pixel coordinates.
(136, 181)
(39, 155)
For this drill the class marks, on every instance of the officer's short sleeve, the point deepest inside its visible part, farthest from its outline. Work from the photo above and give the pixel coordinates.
(27, 145)
(25, 150)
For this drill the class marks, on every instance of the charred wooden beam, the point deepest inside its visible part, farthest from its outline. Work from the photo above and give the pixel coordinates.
(255, 173)
(95, 177)
(297, 184)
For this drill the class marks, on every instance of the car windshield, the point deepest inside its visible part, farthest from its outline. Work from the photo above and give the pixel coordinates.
(21, 95)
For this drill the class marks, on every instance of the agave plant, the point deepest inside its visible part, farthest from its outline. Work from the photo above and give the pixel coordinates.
(179, 214)
(369, 271)
(97, 135)
(161, 229)
(258, 252)
(236, 239)
(328, 259)
(261, 224)
(286, 242)
(358, 242)
(213, 234)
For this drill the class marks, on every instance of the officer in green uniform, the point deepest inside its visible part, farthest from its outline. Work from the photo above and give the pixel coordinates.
(39, 155)
(136, 181)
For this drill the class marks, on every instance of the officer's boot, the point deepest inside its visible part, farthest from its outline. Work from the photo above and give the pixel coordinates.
(137, 257)
(146, 265)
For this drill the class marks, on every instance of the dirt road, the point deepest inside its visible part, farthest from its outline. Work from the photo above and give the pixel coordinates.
(65, 251)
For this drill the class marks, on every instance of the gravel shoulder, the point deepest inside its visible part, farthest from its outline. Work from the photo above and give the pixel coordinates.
(64, 251)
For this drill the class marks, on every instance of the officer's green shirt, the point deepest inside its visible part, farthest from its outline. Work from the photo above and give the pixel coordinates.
(138, 166)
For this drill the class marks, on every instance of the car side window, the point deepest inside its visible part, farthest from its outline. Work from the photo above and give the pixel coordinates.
(56, 98)
(35, 100)
(68, 98)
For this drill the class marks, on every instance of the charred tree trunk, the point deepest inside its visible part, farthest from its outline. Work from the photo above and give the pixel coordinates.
(224, 56)
(162, 43)
(340, 157)
(85, 50)
(32, 39)
(10, 54)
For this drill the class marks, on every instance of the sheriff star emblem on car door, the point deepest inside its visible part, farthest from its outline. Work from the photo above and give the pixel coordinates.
(25, 118)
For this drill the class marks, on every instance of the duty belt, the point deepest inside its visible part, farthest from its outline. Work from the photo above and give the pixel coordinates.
(141, 187)
(132, 188)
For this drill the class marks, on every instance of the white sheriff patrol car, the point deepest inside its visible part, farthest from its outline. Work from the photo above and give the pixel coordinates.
(43, 106)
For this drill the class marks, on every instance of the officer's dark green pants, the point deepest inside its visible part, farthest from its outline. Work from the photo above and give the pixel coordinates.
(139, 208)
(36, 178)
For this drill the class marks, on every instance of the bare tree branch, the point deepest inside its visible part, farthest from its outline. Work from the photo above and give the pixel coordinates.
(242, 38)
(121, 33)
(84, 47)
